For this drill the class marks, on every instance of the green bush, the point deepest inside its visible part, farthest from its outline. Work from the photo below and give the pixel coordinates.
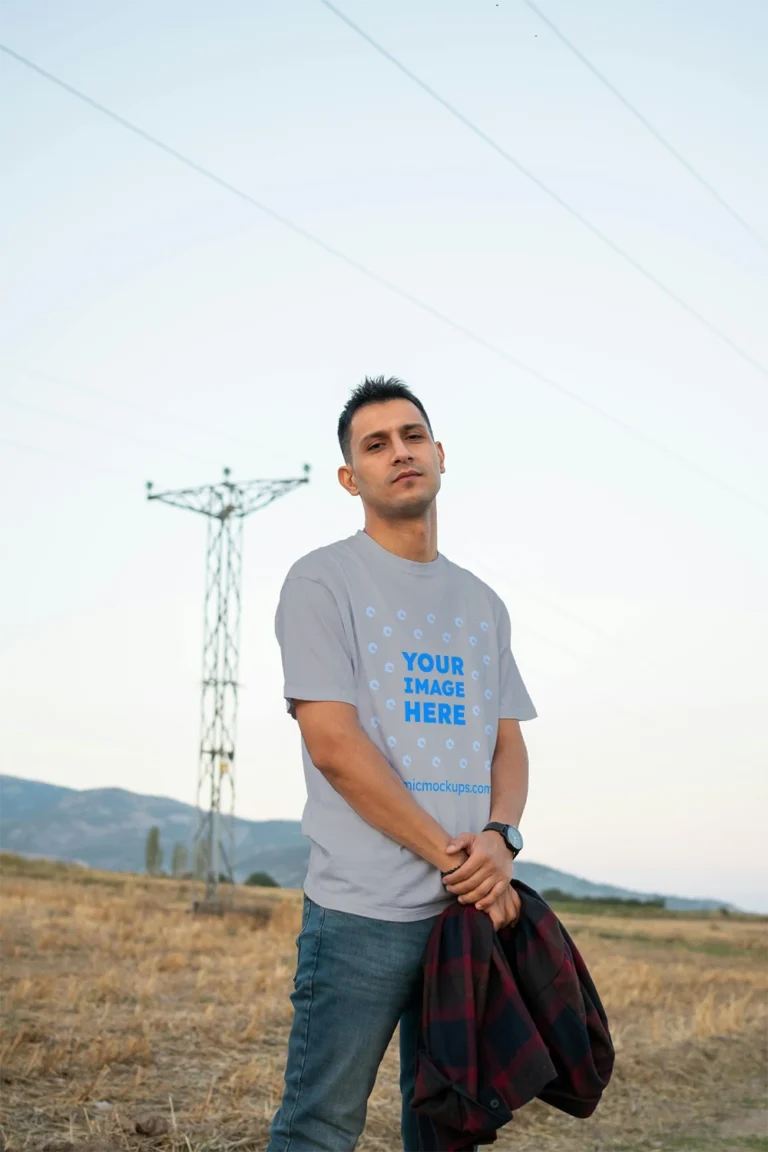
(262, 880)
(560, 897)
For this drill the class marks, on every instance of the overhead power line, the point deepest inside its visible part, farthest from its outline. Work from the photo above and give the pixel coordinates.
(88, 390)
(497, 574)
(574, 212)
(645, 122)
(297, 229)
(80, 462)
(88, 425)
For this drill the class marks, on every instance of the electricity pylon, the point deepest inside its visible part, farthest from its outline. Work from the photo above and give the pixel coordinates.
(226, 505)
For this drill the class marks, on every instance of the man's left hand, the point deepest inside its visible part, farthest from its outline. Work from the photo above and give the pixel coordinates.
(487, 871)
(505, 910)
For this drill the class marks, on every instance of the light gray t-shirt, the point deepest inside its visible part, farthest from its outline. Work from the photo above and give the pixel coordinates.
(423, 653)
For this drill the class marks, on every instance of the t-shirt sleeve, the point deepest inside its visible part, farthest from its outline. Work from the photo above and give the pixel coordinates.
(317, 663)
(514, 701)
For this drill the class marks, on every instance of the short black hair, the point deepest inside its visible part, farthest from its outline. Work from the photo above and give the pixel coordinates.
(374, 390)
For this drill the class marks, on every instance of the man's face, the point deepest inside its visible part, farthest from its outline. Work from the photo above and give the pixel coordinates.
(395, 464)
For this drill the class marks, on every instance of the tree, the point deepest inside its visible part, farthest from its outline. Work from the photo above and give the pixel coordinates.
(262, 880)
(178, 861)
(153, 853)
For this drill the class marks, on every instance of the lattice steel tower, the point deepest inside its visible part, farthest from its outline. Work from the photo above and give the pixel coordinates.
(226, 505)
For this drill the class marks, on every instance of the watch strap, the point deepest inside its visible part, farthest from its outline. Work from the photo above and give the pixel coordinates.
(497, 826)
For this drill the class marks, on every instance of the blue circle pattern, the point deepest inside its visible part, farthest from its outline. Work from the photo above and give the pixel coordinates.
(391, 704)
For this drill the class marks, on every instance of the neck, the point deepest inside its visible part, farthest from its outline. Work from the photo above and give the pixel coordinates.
(411, 539)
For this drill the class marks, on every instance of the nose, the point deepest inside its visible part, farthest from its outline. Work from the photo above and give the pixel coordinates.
(401, 451)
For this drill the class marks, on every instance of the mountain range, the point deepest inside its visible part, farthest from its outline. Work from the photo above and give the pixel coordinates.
(106, 828)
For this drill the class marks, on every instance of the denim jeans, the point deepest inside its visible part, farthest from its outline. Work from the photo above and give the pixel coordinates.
(356, 978)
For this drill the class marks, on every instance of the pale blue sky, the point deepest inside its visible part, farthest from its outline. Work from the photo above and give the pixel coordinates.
(637, 590)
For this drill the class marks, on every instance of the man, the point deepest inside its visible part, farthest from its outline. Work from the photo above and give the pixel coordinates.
(399, 671)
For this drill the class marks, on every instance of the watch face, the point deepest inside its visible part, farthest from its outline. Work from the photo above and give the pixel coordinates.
(514, 838)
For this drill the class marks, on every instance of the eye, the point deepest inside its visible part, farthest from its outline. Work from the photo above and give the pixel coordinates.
(415, 436)
(373, 447)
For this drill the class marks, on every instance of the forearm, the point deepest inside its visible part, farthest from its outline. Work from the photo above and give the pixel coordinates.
(370, 785)
(509, 780)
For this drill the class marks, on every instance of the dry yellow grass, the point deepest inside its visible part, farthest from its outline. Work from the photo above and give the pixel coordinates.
(119, 1005)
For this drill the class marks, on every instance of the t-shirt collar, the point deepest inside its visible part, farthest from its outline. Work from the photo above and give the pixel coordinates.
(423, 569)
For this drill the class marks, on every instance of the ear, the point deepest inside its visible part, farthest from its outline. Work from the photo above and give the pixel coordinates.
(347, 480)
(440, 455)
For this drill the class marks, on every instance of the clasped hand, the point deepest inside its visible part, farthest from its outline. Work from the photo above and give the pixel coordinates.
(484, 877)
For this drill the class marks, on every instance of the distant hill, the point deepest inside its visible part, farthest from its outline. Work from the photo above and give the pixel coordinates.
(107, 828)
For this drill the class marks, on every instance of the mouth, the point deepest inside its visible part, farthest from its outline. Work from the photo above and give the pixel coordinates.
(410, 475)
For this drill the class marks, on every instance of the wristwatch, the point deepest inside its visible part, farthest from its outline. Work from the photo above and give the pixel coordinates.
(512, 837)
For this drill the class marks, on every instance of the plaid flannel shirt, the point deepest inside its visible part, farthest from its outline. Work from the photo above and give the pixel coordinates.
(506, 1017)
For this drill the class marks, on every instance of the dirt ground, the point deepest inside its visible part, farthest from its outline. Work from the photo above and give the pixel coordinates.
(121, 1010)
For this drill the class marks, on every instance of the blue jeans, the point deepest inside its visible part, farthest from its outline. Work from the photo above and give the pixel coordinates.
(356, 978)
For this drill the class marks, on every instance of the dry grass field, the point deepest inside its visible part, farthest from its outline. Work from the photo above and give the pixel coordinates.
(121, 1009)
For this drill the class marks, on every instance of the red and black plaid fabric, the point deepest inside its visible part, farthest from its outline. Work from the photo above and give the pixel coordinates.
(506, 1017)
